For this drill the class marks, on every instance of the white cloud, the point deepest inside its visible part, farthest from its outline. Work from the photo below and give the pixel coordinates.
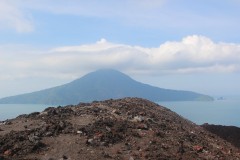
(197, 49)
(100, 45)
(93, 7)
(144, 13)
(11, 16)
(162, 14)
(124, 11)
(193, 54)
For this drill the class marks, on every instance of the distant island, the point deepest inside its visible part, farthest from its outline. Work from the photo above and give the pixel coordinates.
(221, 98)
(100, 85)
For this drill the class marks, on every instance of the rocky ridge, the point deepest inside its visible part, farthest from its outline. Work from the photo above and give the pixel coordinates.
(123, 129)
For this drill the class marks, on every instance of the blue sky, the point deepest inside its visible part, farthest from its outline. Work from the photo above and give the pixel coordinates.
(178, 44)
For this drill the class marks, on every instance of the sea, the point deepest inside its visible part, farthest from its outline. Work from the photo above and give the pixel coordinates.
(219, 112)
(9, 111)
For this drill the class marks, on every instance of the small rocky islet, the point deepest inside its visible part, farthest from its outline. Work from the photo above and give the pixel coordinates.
(121, 129)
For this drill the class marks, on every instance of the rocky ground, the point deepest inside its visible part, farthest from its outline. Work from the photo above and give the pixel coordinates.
(124, 129)
(229, 133)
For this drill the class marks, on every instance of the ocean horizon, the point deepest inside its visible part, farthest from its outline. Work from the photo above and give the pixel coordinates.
(218, 112)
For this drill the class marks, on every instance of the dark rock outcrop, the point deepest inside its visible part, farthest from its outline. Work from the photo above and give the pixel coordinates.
(229, 133)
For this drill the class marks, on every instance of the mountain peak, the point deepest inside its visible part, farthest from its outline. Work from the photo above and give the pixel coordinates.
(105, 74)
(109, 72)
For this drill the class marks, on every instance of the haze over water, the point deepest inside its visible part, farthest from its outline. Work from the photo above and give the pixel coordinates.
(223, 112)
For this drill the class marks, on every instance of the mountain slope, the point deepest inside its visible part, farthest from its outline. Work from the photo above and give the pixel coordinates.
(100, 85)
(122, 129)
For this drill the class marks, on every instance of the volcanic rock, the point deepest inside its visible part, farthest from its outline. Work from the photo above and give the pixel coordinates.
(122, 129)
(229, 133)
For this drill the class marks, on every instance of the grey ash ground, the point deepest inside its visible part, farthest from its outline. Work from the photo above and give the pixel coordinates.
(123, 129)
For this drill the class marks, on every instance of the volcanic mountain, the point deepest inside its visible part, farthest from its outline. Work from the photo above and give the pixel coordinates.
(100, 85)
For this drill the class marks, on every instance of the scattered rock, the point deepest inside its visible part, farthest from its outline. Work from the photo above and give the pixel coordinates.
(116, 112)
(142, 126)
(8, 122)
(131, 158)
(90, 141)
(138, 119)
(7, 152)
(33, 138)
(108, 129)
(198, 148)
(64, 157)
